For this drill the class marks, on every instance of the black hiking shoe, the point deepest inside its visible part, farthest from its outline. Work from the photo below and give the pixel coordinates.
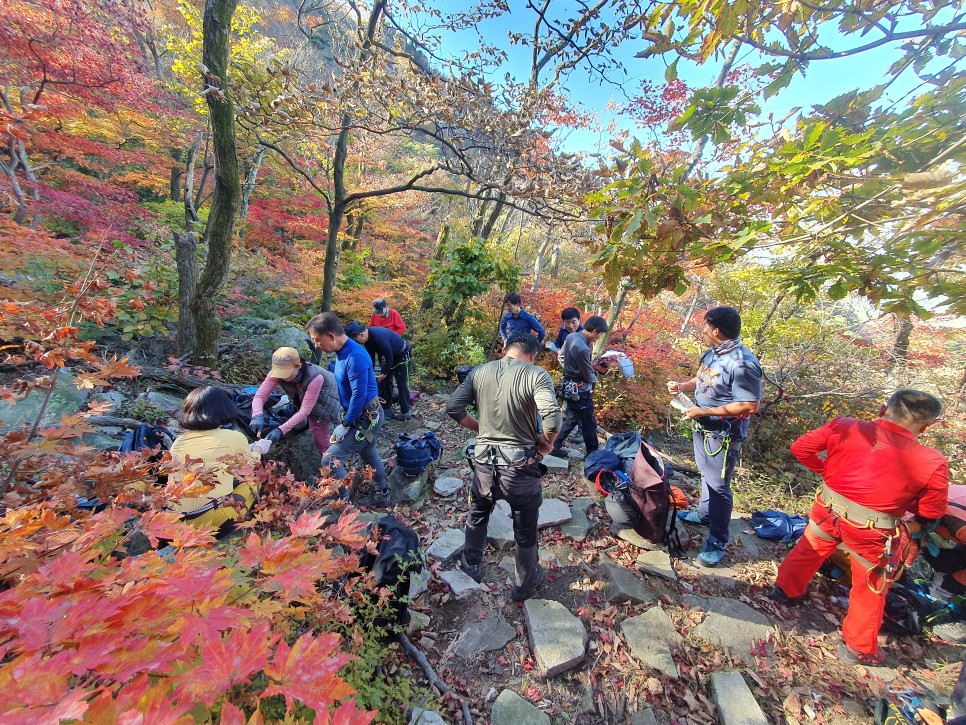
(777, 594)
(473, 571)
(377, 499)
(520, 595)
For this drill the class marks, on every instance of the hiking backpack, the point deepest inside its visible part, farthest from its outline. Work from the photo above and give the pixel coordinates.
(398, 556)
(134, 441)
(146, 436)
(648, 500)
(413, 455)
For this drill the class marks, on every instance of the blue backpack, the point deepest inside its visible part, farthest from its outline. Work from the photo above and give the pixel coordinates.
(778, 525)
(413, 455)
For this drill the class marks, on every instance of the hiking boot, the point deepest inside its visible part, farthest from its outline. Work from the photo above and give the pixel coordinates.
(778, 595)
(561, 452)
(377, 499)
(691, 516)
(519, 595)
(853, 657)
(712, 553)
(473, 571)
(402, 416)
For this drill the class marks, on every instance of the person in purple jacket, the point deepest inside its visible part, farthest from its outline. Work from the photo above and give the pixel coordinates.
(362, 415)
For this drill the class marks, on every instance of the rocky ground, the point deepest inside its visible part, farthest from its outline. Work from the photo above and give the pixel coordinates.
(620, 632)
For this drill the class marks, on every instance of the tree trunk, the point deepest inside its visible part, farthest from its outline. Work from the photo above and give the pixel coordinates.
(760, 333)
(186, 256)
(438, 255)
(224, 205)
(539, 259)
(186, 259)
(900, 350)
(337, 209)
(614, 315)
(693, 306)
(249, 188)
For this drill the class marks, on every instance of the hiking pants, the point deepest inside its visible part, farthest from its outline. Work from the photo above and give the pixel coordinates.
(826, 530)
(319, 429)
(716, 499)
(520, 487)
(338, 453)
(400, 376)
(580, 413)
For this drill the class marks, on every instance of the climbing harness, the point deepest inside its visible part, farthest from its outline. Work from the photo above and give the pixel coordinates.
(722, 437)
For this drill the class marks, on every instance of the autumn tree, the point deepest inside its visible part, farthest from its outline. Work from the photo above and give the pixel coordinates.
(861, 194)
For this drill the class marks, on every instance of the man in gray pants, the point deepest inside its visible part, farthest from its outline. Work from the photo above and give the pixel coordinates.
(508, 394)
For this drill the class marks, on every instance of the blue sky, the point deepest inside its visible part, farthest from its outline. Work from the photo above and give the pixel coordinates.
(824, 81)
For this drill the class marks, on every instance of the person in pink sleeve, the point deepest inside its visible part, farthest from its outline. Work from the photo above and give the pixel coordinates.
(385, 316)
(311, 389)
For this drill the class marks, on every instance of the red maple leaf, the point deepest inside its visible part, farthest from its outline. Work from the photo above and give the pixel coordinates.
(229, 660)
(307, 671)
(346, 714)
(308, 524)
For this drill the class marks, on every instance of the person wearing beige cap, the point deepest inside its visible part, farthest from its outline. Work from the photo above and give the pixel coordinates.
(311, 389)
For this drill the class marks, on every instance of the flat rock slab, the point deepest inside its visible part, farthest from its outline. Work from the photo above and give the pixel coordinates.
(558, 639)
(553, 511)
(730, 624)
(419, 582)
(556, 465)
(579, 525)
(657, 563)
(418, 621)
(448, 545)
(736, 704)
(511, 709)
(499, 531)
(644, 717)
(461, 585)
(434, 424)
(624, 585)
(648, 636)
(447, 485)
(485, 635)
(425, 717)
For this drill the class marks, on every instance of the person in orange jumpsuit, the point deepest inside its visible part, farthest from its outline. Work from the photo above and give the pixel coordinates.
(875, 472)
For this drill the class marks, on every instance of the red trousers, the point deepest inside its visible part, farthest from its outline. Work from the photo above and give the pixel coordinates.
(860, 629)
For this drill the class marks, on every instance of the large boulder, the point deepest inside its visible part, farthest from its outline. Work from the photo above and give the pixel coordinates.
(269, 335)
(66, 399)
(298, 453)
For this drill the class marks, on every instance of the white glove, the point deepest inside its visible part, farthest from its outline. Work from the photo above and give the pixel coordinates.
(262, 445)
(340, 432)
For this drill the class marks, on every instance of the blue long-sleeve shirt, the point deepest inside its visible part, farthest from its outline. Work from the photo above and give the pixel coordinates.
(562, 335)
(356, 379)
(520, 325)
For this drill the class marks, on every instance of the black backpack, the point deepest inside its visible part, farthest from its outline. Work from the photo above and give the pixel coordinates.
(398, 555)
(144, 436)
(147, 436)
(413, 455)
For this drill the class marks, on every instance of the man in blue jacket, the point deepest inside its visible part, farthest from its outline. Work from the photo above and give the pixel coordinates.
(362, 415)
(394, 355)
(517, 321)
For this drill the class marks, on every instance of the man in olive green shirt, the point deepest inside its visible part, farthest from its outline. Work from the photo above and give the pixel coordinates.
(508, 394)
